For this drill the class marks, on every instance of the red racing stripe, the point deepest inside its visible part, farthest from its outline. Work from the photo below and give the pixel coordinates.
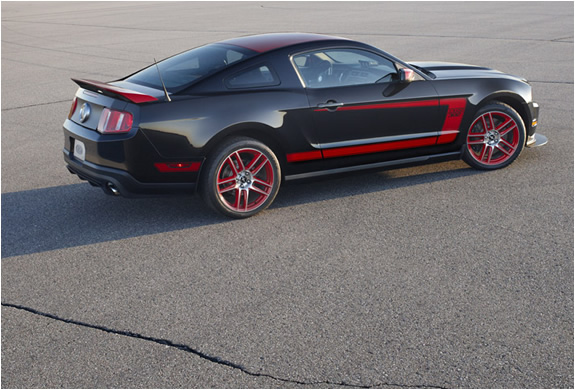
(380, 147)
(448, 133)
(419, 103)
(304, 156)
(455, 111)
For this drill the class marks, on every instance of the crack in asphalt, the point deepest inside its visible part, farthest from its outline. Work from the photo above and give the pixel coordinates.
(188, 31)
(551, 82)
(397, 34)
(202, 355)
(43, 66)
(129, 60)
(36, 105)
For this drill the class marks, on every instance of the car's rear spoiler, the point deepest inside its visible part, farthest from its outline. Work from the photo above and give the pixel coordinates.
(115, 92)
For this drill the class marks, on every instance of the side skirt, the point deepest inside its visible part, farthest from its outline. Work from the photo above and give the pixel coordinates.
(405, 161)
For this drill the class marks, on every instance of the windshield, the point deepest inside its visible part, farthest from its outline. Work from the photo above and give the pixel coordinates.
(183, 69)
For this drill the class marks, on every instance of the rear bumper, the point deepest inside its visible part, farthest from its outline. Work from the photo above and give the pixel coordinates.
(118, 182)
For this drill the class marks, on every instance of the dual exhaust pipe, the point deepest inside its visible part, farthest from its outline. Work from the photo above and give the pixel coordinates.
(109, 187)
(112, 188)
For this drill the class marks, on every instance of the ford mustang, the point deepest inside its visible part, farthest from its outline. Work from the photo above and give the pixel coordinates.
(233, 119)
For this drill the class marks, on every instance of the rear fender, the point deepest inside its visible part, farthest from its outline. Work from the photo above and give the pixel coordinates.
(261, 132)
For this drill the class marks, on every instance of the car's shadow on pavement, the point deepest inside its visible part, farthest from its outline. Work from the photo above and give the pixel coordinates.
(74, 215)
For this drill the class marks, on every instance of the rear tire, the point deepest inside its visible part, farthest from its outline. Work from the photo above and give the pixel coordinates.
(495, 138)
(241, 178)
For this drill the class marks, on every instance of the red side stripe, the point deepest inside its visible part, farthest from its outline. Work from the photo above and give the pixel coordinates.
(376, 148)
(448, 133)
(420, 103)
(304, 156)
(455, 110)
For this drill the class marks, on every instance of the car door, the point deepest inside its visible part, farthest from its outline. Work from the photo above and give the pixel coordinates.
(360, 105)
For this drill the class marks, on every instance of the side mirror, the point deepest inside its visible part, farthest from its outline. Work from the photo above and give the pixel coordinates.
(406, 75)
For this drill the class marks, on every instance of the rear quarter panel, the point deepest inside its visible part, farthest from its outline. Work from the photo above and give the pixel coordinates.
(190, 126)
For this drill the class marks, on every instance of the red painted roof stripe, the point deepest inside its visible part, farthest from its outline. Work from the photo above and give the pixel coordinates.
(267, 42)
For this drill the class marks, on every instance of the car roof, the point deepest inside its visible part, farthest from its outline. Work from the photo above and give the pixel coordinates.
(266, 42)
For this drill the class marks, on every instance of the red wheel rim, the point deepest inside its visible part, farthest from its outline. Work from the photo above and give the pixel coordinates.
(245, 180)
(493, 138)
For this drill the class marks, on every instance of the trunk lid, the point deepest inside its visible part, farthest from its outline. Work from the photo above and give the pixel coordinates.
(95, 98)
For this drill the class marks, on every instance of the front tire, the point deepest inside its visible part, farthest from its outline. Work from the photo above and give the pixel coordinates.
(241, 178)
(495, 138)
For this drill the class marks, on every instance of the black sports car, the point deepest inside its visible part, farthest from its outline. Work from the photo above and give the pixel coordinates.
(233, 119)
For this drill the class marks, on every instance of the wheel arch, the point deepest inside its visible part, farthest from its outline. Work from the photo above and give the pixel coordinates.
(513, 100)
(257, 131)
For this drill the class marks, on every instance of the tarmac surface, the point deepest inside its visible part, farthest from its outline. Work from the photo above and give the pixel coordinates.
(430, 277)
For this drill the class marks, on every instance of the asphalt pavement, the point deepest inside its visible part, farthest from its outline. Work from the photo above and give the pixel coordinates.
(426, 277)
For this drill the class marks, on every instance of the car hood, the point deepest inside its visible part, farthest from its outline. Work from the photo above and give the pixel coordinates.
(449, 70)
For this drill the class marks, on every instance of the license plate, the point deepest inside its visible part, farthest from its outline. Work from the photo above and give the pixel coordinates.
(79, 150)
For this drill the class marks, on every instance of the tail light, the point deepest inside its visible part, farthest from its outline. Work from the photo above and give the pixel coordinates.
(114, 122)
(73, 108)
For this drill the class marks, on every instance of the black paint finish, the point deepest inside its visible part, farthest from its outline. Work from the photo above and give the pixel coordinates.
(311, 130)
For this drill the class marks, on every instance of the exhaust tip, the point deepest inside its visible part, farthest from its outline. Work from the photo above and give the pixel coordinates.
(110, 186)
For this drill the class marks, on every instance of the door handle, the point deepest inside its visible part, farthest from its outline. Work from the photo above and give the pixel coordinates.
(330, 105)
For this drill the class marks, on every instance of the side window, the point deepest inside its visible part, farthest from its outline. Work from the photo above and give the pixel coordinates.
(260, 76)
(341, 67)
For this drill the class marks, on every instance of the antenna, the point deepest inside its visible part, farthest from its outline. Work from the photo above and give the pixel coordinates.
(162, 81)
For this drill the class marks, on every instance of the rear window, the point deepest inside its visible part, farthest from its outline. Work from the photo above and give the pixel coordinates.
(181, 70)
